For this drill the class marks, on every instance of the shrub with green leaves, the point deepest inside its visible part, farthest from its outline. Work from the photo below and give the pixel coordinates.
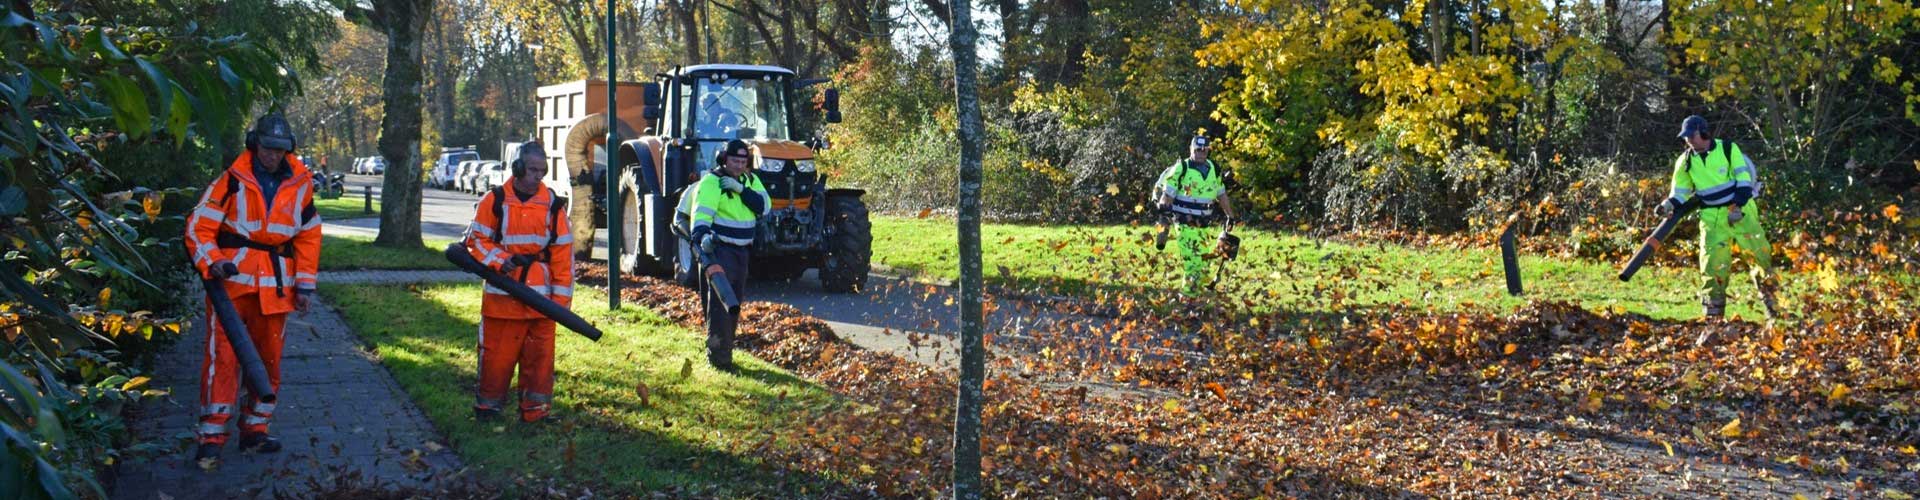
(91, 262)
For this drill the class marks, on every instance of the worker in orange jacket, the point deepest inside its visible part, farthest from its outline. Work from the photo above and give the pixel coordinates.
(256, 231)
(520, 230)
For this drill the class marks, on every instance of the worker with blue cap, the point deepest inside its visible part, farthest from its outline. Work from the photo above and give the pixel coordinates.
(1714, 175)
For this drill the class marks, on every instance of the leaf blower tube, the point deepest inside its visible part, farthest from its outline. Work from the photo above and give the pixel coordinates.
(253, 372)
(722, 288)
(1510, 256)
(1659, 233)
(457, 254)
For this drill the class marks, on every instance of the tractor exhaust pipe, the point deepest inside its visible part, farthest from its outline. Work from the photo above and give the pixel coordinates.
(457, 254)
(253, 372)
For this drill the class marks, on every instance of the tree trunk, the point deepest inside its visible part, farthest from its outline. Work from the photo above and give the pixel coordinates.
(1678, 101)
(445, 76)
(404, 23)
(683, 10)
(973, 370)
(353, 134)
(880, 21)
(1438, 13)
(578, 24)
(1077, 16)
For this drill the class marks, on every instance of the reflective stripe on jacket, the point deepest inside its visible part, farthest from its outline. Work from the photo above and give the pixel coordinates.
(523, 228)
(235, 205)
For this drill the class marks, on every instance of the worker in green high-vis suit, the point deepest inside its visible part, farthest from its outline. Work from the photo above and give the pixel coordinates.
(1189, 190)
(1715, 175)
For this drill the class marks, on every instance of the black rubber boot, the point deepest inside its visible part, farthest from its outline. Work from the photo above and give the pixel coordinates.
(722, 360)
(1714, 309)
(486, 414)
(259, 443)
(207, 454)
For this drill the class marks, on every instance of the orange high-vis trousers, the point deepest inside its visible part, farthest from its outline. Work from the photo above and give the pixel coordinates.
(220, 371)
(527, 344)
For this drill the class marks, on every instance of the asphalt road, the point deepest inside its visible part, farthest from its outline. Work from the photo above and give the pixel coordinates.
(883, 318)
(912, 319)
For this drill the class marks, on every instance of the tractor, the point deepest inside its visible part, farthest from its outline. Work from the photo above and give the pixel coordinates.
(686, 116)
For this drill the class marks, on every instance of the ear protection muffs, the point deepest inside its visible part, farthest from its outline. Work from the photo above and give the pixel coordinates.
(518, 168)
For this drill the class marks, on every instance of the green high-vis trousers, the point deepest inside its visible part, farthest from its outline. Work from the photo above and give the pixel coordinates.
(1717, 241)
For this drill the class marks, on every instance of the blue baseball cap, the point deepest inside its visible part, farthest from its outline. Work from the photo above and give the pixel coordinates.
(1693, 125)
(1199, 142)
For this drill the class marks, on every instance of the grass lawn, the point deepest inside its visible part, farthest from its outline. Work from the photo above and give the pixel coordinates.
(694, 429)
(357, 252)
(349, 206)
(1297, 272)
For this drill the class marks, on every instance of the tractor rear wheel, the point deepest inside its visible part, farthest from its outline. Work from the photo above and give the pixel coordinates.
(633, 224)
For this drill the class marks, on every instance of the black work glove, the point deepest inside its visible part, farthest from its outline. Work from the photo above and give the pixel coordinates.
(522, 260)
(222, 270)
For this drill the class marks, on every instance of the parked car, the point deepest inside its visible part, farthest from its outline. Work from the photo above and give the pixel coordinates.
(450, 159)
(358, 163)
(467, 176)
(376, 166)
(457, 173)
(493, 175)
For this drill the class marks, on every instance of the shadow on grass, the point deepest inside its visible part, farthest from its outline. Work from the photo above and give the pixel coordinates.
(342, 253)
(688, 434)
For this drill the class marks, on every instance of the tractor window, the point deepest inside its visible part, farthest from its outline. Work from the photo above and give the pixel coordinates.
(677, 126)
(741, 109)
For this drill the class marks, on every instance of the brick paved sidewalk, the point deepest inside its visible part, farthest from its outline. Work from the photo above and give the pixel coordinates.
(340, 413)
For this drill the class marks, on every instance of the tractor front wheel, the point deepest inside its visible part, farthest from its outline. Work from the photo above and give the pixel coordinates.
(849, 245)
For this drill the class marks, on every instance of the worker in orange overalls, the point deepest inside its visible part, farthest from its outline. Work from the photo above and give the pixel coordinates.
(520, 230)
(255, 230)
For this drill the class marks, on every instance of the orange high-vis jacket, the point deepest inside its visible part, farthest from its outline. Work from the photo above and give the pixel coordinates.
(276, 248)
(535, 227)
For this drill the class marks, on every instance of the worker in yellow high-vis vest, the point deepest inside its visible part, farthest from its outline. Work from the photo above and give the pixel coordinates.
(1189, 190)
(1716, 176)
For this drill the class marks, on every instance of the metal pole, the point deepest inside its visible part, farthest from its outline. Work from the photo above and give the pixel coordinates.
(612, 178)
(368, 191)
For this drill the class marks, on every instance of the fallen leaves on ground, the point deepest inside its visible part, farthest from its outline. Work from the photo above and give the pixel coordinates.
(1334, 399)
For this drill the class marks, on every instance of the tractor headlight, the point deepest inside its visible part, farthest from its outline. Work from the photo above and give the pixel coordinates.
(770, 165)
(804, 165)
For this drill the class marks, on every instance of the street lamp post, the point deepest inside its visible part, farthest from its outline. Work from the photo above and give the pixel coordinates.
(614, 238)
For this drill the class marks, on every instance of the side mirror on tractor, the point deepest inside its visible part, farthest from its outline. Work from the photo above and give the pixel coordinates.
(832, 105)
(650, 95)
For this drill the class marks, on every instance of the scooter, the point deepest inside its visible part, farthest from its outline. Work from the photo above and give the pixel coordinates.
(330, 186)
